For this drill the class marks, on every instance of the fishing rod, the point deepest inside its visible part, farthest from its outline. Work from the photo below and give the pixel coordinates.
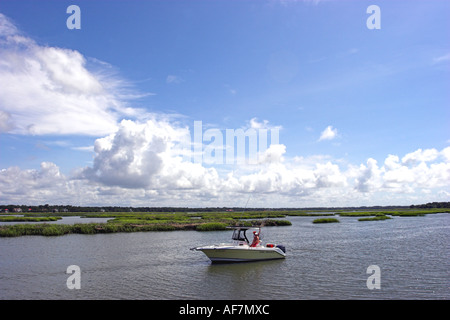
(261, 225)
(245, 208)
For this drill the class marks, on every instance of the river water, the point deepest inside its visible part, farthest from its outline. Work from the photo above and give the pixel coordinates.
(324, 261)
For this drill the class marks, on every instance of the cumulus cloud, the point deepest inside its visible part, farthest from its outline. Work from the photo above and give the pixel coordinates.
(50, 90)
(255, 123)
(418, 170)
(5, 122)
(445, 154)
(32, 184)
(419, 156)
(141, 164)
(150, 156)
(328, 134)
(132, 155)
(274, 154)
(144, 163)
(368, 177)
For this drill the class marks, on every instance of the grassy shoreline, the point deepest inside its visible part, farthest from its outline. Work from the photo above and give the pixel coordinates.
(127, 222)
(201, 221)
(326, 220)
(28, 219)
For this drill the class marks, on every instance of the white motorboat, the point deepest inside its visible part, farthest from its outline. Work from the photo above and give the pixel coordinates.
(241, 250)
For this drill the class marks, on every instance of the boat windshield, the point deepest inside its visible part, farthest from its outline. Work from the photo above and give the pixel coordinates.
(239, 235)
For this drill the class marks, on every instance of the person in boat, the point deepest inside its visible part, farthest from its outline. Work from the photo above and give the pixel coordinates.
(256, 240)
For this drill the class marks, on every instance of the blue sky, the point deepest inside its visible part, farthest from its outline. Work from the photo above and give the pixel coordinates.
(378, 98)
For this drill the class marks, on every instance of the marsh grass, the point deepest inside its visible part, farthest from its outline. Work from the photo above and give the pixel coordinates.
(409, 214)
(271, 223)
(377, 218)
(81, 228)
(326, 220)
(34, 229)
(212, 226)
(140, 222)
(400, 213)
(310, 214)
(27, 219)
(200, 221)
(361, 214)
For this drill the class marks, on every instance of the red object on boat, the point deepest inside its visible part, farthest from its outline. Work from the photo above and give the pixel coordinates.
(269, 245)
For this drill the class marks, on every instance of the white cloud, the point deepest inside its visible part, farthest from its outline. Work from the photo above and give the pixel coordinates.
(140, 164)
(445, 153)
(273, 154)
(328, 134)
(420, 156)
(131, 156)
(49, 90)
(443, 58)
(85, 148)
(174, 79)
(368, 177)
(254, 123)
(32, 185)
(5, 121)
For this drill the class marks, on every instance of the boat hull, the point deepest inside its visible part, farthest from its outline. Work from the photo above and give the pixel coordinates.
(223, 254)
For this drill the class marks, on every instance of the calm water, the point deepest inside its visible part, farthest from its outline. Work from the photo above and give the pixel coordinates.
(327, 261)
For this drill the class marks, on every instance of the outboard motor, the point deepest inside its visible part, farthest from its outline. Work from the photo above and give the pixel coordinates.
(282, 248)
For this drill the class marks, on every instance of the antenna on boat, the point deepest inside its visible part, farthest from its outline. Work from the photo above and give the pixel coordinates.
(245, 208)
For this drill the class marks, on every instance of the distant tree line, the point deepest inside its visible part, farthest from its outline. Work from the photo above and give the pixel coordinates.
(431, 205)
(69, 208)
